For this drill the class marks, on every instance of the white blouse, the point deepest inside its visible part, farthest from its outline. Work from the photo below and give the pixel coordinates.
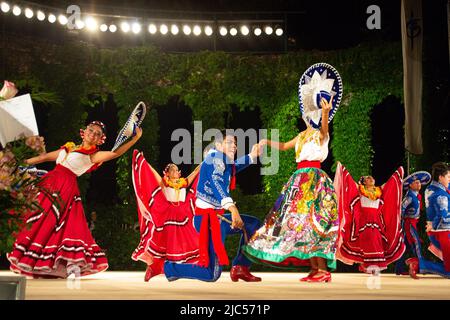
(369, 203)
(312, 150)
(173, 195)
(76, 162)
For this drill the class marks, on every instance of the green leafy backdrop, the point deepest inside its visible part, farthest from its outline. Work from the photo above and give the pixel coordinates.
(209, 83)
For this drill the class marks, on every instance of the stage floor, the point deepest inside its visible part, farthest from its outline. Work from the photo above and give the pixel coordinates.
(286, 286)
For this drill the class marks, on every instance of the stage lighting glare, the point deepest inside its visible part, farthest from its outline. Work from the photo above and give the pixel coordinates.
(257, 31)
(29, 13)
(233, 31)
(208, 31)
(268, 30)
(279, 32)
(51, 18)
(125, 27)
(174, 29)
(186, 30)
(5, 7)
(40, 15)
(152, 28)
(136, 28)
(223, 31)
(103, 28)
(112, 28)
(17, 11)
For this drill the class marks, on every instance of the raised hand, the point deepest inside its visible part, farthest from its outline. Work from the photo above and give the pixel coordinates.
(326, 105)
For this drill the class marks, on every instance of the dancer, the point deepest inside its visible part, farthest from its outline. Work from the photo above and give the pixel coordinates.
(301, 228)
(437, 199)
(217, 177)
(58, 241)
(370, 228)
(166, 211)
(411, 206)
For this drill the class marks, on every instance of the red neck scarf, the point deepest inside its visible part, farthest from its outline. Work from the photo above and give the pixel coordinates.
(233, 177)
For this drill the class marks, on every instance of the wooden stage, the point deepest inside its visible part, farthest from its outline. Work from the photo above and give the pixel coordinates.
(286, 286)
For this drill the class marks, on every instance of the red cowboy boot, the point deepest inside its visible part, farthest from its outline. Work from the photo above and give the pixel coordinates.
(413, 264)
(242, 272)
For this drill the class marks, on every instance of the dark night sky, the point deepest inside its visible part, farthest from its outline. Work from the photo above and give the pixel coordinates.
(310, 24)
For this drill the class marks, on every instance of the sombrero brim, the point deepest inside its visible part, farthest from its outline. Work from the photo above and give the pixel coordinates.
(34, 171)
(129, 129)
(321, 80)
(423, 176)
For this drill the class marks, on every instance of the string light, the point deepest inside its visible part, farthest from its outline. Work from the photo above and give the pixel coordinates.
(17, 11)
(62, 19)
(208, 31)
(29, 13)
(186, 30)
(174, 29)
(268, 30)
(91, 24)
(5, 7)
(245, 30)
(51, 18)
(112, 28)
(163, 29)
(40, 15)
(279, 32)
(223, 31)
(152, 28)
(79, 24)
(197, 30)
(136, 28)
(99, 23)
(125, 27)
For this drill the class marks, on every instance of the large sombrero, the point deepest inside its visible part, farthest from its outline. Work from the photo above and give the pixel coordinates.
(33, 171)
(129, 129)
(423, 176)
(319, 81)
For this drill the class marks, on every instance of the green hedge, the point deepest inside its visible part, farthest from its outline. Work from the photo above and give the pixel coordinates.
(209, 83)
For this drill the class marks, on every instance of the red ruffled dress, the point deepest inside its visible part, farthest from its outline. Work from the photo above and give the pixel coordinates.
(370, 229)
(56, 240)
(165, 218)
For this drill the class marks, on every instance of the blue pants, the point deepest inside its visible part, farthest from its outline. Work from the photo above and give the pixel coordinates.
(174, 271)
(413, 248)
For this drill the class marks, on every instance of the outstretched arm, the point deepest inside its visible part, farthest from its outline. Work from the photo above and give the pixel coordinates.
(51, 156)
(192, 176)
(283, 146)
(103, 156)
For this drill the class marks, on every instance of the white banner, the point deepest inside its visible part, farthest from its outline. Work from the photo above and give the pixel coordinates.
(17, 119)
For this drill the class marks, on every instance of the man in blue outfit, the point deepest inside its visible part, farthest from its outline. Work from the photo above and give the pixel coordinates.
(216, 178)
(411, 206)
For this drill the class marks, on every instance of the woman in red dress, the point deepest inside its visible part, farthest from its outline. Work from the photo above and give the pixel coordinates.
(165, 211)
(370, 220)
(56, 241)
